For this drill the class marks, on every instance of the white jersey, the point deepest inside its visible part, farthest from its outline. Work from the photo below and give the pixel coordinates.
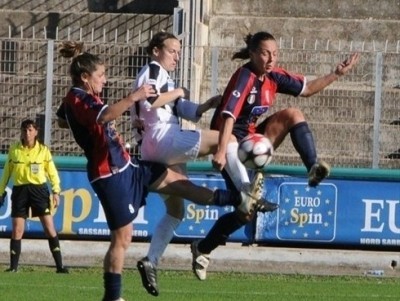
(163, 140)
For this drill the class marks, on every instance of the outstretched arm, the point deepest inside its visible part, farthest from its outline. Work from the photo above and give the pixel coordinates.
(167, 97)
(117, 109)
(321, 83)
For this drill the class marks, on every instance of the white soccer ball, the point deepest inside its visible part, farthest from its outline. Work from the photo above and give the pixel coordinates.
(255, 151)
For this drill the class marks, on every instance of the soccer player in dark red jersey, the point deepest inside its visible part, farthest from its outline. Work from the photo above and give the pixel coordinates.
(120, 182)
(244, 109)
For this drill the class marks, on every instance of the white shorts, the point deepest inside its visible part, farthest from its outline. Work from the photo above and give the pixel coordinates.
(172, 146)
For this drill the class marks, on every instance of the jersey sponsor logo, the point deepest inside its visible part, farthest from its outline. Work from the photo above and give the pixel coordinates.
(236, 93)
(257, 113)
(111, 130)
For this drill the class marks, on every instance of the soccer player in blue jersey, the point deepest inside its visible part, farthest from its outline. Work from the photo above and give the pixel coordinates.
(244, 109)
(120, 182)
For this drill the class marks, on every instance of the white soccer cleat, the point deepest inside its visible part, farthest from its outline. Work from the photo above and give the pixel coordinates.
(252, 194)
(200, 261)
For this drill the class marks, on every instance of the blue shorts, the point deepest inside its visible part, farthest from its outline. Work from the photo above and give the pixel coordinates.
(122, 194)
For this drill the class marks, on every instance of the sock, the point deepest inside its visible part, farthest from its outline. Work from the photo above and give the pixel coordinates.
(303, 142)
(55, 250)
(163, 234)
(235, 169)
(15, 252)
(220, 232)
(226, 197)
(112, 286)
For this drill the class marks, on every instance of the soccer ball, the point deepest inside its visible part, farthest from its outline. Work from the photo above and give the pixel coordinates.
(255, 151)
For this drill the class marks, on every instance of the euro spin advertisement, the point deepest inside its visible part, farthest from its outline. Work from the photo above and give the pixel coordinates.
(342, 212)
(338, 212)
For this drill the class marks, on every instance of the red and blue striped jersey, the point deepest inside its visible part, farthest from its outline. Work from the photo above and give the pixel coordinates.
(102, 144)
(247, 99)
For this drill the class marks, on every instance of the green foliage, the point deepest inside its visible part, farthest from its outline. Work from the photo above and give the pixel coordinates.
(36, 283)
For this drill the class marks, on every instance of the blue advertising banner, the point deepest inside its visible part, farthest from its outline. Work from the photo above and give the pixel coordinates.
(363, 213)
(81, 215)
(339, 212)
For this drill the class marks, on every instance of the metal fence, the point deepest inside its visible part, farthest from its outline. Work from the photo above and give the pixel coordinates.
(356, 121)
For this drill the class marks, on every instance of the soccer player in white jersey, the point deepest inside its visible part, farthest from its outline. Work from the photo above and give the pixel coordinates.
(157, 120)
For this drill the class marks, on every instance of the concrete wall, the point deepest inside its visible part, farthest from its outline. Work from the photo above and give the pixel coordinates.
(336, 9)
(355, 20)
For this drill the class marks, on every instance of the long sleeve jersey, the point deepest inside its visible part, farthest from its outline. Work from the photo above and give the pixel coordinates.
(30, 166)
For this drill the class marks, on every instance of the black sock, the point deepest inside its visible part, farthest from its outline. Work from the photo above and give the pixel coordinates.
(303, 142)
(220, 232)
(112, 286)
(55, 250)
(15, 252)
(226, 197)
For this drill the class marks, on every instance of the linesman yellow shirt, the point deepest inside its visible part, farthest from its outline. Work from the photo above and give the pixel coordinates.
(30, 166)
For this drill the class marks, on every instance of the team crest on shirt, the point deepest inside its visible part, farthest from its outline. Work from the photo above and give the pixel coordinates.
(252, 97)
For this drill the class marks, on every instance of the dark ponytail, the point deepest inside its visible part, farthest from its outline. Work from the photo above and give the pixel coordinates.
(252, 43)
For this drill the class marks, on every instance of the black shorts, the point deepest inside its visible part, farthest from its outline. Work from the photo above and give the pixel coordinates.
(36, 197)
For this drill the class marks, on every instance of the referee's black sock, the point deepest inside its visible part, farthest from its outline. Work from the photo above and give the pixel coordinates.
(15, 252)
(55, 249)
(220, 232)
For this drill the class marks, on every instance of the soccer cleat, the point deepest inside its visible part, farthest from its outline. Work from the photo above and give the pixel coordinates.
(200, 261)
(252, 196)
(264, 206)
(257, 186)
(318, 172)
(62, 270)
(149, 275)
(11, 270)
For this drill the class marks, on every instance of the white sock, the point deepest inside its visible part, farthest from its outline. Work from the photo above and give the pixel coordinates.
(163, 234)
(236, 170)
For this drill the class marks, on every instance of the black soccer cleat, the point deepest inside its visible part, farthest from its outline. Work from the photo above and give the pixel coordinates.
(264, 206)
(62, 270)
(318, 172)
(148, 273)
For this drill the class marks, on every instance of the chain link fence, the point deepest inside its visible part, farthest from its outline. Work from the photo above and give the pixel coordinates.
(355, 121)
